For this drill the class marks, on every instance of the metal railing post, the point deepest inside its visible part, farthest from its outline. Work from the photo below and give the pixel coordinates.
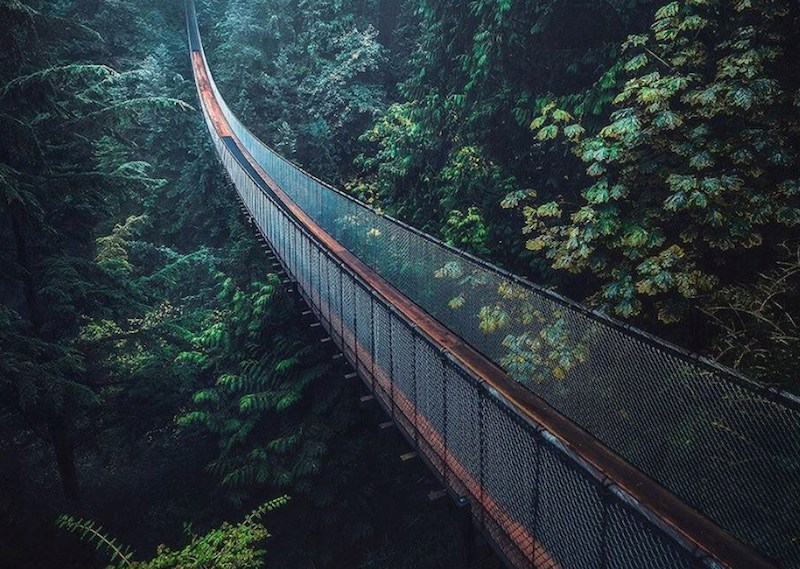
(341, 305)
(414, 384)
(481, 452)
(445, 465)
(372, 339)
(391, 363)
(537, 490)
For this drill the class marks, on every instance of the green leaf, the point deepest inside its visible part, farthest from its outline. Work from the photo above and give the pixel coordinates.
(636, 62)
(547, 133)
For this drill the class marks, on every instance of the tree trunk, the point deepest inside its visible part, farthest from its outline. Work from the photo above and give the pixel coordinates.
(28, 285)
(58, 426)
(61, 438)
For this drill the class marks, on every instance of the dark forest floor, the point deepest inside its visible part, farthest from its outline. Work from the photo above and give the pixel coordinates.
(145, 495)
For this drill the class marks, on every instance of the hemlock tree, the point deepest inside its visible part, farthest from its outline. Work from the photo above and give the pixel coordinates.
(67, 167)
(306, 75)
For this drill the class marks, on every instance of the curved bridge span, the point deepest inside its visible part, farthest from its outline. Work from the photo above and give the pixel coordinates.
(575, 440)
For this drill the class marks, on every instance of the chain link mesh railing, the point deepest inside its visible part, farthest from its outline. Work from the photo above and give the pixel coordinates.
(726, 446)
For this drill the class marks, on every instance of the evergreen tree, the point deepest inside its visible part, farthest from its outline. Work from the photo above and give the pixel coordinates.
(68, 166)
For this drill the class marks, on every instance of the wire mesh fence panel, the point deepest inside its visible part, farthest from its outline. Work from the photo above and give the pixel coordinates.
(403, 359)
(382, 334)
(306, 249)
(285, 245)
(335, 299)
(297, 260)
(313, 270)
(300, 267)
(510, 471)
(294, 243)
(363, 318)
(403, 372)
(462, 429)
(348, 312)
(324, 288)
(429, 386)
(568, 498)
(322, 285)
(271, 228)
(629, 543)
(279, 244)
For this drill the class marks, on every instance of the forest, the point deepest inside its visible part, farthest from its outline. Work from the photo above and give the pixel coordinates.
(165, 402)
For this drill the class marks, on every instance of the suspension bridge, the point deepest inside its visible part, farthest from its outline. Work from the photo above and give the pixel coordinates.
(575, 440)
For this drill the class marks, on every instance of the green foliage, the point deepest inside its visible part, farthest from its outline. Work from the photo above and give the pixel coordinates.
(92, 533)
(466, 230)
(260, 370)
(227, 547)
(69, 167)
(402, 140)
(546, 350)
(307, 73)
(458, 139)
(698, 162)
(758, 332)
(112, 250)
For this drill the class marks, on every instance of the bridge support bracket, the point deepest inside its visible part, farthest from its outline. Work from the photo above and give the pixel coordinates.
(437, 495)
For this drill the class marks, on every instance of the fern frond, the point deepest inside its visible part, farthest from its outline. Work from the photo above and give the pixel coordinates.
(92, 533)
(282, 445)
(286, 364)
(194, 417)
(240, 477)
(259, 402)
(17, 6)
(265, 508)
(288, 400)
(143, 102)
(56, 73)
